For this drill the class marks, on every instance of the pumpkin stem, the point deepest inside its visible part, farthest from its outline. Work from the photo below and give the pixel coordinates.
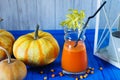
(36, 32)
(8, 55)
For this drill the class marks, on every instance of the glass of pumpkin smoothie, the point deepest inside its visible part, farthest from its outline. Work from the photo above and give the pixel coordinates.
(74, 58)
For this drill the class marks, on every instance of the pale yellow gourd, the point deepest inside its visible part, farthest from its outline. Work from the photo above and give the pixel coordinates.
(6, 41)
(36, 48)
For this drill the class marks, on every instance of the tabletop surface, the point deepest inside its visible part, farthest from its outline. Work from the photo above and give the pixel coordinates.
(109, 71)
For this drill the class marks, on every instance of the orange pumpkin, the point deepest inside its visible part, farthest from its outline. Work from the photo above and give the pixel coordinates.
(37, 48)
(6, 41)
(12, 69)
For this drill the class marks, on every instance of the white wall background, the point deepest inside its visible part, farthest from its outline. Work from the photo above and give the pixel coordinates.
(25, 14)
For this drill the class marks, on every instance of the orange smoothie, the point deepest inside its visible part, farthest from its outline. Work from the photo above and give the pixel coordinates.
(74, 59)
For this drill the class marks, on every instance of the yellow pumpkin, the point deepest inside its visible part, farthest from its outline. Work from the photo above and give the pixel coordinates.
(12, 69)
(36, 48)
(6, 41)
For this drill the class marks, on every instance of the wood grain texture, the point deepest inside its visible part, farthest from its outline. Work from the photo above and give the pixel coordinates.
(25, 14)
(62, 7)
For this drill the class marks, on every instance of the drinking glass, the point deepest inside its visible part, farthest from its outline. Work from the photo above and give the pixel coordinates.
(74, 58)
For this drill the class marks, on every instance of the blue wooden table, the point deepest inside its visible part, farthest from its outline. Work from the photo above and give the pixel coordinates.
(109, 71)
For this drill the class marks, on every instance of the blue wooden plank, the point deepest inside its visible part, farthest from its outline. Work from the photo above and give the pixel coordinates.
(109, 71)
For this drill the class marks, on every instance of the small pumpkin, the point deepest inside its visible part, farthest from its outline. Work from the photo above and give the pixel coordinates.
(37, 48)
(12, 69)
(6, 41)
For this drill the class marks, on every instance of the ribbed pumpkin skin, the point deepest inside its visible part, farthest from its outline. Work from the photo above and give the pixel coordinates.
(6, 41)
(16, 70)
(41, 51)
